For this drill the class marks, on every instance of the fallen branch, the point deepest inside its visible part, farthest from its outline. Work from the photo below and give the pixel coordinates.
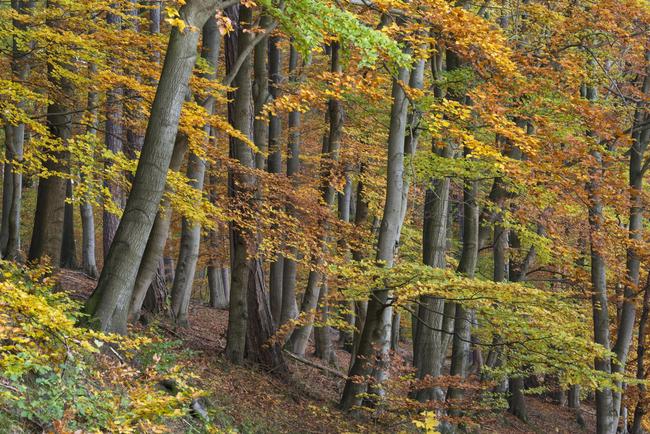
(316, 365)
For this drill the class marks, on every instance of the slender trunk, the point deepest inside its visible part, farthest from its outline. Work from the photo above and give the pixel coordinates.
(627, 320)
(376, 330)
(109, 304)
(433, 314)
(114, 143)
(15, 142)
(188, 254)
(275, 166)
(242, 186)
(641, 407)
(467, 267)
(218, 282)
(289, 308)
(88, 240)
(329, 156)
(149, 268)
(360, 306)
(68, 245)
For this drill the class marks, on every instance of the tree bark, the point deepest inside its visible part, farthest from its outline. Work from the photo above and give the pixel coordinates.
(68, 245)
(114, 143)
(149, 265)
(188, 254)
(47, 234)
(275, 166)
(297, 343)
(376, 330)
(467, 267)
(108, 306)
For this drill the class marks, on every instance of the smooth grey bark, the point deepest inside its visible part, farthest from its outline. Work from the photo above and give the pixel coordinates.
(641, 407)
(289, 308)
(606, 411)
(14, 143)
(261, 95)
(275, 166)
(113, 140)
(68, 244)
(298, 341)
(153, 252)
(188, 254)
(219, 284)
(242, 185)
(376, 330)
(47, 234)
(88, 239)
(109, 303)
(346, 336)
(434, 322)
(360, 306)
(466, 267)
(627, 317)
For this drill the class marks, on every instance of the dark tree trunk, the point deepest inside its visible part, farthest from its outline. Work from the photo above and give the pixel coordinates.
(47, 234)
(329, 156)
(289, 306)
(275, 166)
(68, 246)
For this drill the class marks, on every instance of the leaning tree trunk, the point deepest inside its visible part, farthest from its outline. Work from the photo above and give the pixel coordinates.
(188, 255)
(376, 330)
(149, 265)
(109, 303)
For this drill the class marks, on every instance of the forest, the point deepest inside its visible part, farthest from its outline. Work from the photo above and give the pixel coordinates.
(324, 216)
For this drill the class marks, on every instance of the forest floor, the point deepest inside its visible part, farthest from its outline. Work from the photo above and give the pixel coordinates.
(258, 402)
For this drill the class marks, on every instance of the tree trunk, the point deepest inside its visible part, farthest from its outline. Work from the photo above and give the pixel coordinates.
(242, 185)
(47, 234)
(641, 407)
(329, 156)
(218, 282)
(467, 267)
(68, 245)
(275, 166)
(188, 254)
(376, 330)
(289, 267)
(88, 239)
(153, 252)
(114, 143)
(189, 251)
(109, 303)
(433, 314)
(261, 328)
(15, 142)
